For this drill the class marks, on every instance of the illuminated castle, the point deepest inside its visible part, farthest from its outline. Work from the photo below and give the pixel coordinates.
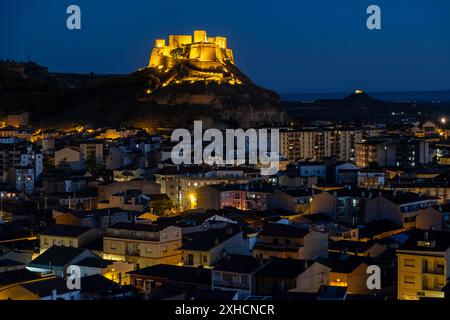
(202, 51)
(203, 58)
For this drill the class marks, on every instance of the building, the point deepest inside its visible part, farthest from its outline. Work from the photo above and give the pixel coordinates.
(348, 273)
(151, 280)
(67, 236)
(242, 197)
(397, 151)
(292, 200)
(22, 178)
(371, 178)
(129, 200)
(44, 289)
(144, 244)
(57, 259)
(315, 144)
(401, 208)
(290, 275)
(68, 158)
(207, 248)
(236, 273)
(203, 52)
(423, 265)
(286, 241)
(91, 151)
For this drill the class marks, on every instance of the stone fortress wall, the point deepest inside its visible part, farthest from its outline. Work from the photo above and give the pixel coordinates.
(202, 51)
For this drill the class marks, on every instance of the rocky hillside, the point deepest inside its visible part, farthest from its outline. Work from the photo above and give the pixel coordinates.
(144, 98)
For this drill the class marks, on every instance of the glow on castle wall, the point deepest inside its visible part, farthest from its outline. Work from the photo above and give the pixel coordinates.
(202, 51)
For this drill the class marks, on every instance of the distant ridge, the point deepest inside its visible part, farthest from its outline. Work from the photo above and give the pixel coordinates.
(395, 96)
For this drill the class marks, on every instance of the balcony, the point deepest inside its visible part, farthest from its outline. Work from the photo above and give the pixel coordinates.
(231, 285)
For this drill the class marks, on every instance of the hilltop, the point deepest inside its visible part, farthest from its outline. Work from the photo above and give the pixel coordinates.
(184, 81)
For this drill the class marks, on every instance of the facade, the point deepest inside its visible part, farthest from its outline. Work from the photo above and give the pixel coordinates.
(423, 266)
(202, 51)
(316, 144)
(242, 197)
(400, 152)
(207, 248)
(67, 236)
(68, 157)
(286, 241)
(144, 244)
(91, 151)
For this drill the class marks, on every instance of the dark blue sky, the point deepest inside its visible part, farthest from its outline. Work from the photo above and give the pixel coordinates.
(291, 46)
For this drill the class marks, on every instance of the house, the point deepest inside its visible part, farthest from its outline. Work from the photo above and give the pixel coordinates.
(110, 269)
(57, 259)
(91, 151)
(43, 289)
(347, 273)
(290, 275)
(312, 169)
(68, 158)
(67, 235)
(371, 178)
(401, 208)
(342, 205)
(97, 218)
(98, 287)
(356, 248)
(10, 278)
(207, 248)
(129, 200)
(243, 197)
(292, 200)
(345, 173)
(236, 273)
(144, 244)
(22, 178)
(324, 223)
(434, 218)
(423, 265)
(150, 281)
(287, 241)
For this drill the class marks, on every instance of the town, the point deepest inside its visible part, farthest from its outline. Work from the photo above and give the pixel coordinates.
(111, 202)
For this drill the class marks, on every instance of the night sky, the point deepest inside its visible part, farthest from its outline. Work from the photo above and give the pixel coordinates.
(288, 46)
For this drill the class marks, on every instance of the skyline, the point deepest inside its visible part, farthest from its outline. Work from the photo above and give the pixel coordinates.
(310, 48)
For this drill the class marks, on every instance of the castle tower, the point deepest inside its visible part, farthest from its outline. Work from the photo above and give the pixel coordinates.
(199, 36)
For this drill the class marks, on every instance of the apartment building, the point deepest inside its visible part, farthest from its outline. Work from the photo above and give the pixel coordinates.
(145, 244)
(423, 265)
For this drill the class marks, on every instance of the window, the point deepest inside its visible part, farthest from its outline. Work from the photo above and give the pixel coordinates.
(409, 263)
(164, 235)
(46, 241)
(113, 246)
(149, 250)
(244, 280)
(227, 277)
(205, 258)
(138, 282)
(63, 242)
(409, 279)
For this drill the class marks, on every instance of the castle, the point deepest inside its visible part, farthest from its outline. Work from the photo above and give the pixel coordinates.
(206, 56)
